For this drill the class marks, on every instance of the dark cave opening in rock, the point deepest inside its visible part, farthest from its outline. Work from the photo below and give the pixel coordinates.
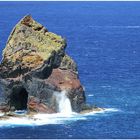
(19, 99)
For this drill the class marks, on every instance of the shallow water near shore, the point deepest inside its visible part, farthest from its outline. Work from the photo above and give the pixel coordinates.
(104, 40)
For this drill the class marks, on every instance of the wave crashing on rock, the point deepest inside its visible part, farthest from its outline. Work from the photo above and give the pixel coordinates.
(34, 68)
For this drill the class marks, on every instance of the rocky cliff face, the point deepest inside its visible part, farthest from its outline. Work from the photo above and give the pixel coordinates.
(35, 68)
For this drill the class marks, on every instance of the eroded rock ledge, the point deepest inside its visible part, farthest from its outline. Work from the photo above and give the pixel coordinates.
(34, 67)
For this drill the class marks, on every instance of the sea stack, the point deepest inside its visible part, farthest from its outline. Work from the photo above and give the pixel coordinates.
(34, 68)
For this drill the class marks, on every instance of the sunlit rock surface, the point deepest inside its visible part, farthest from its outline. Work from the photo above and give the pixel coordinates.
(34, 67)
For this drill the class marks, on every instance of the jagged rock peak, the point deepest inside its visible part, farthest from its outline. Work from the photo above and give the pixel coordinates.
(30, 22)
(30, 45)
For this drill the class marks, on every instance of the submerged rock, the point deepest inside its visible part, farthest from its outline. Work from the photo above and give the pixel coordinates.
(93, 110)
(34, 67)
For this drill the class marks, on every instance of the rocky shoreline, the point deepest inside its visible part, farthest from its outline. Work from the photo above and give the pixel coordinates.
(30, 115)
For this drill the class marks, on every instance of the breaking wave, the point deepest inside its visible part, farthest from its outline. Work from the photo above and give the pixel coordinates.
(45, 119)
(64, 104)
(90, 95)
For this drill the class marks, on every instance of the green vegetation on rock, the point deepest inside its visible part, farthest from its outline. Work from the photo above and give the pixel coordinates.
(30, 44)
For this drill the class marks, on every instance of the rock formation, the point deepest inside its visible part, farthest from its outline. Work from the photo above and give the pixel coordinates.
(34, 67)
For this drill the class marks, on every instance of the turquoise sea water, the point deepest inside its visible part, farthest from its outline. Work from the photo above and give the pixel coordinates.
(104, 39)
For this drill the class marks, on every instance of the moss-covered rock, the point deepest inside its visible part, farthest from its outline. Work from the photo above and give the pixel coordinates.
(29, 46)
(68, 64)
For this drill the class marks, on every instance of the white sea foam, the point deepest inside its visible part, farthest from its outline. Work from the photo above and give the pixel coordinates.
(41, 119)
(45, 119)
(112, 110)
(90, 95)
(106, 110)
(1, 114)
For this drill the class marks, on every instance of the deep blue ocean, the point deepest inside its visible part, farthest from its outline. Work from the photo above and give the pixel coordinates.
(104, 39)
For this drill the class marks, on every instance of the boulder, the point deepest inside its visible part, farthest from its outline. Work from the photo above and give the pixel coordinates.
(34, 67)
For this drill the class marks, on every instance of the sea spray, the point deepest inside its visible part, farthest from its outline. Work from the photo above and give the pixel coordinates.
(57, 118)
(64, 104)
